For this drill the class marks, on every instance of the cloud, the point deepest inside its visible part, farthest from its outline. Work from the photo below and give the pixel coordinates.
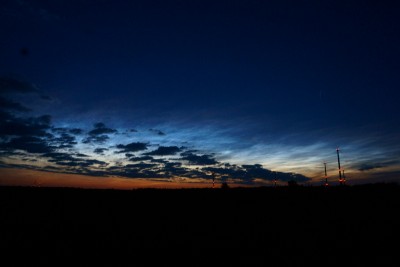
(25, 134)
(66, 159)
(251, 172)
(58, 129)
(257, 171)
(11, 85)
(58, 156)
(174, 169)
(100, 150)
(173, 164)
(190, 173)
(139, 170)
(198, 160)
(81, 155)
(37, 136)
(368, 166)
(140, 166)
(13, 126)
(164, 150)
(5, 117)
(98, 134)
(100, 139)
(76, 131)
(29, 144)
(132, 147)
(143, 158)
(32, 136)
(64, 141)
(7, 104)
(232, 171)
(158, 132)
(159, 160)
(100, 129)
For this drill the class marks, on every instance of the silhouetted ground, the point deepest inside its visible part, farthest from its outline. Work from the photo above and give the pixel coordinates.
(284, 225)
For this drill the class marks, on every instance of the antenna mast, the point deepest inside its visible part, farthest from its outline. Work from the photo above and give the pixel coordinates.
(326, 176)
(343, 177)
(341, 180)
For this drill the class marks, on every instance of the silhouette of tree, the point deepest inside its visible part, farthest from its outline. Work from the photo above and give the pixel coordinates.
(224, 185)
(292, 183)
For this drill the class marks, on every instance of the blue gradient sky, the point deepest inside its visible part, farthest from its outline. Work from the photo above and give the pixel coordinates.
(276, 83)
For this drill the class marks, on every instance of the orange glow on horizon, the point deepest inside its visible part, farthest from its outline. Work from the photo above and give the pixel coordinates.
(23, 177)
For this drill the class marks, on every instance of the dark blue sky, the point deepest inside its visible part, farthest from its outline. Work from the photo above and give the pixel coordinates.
(276, 83)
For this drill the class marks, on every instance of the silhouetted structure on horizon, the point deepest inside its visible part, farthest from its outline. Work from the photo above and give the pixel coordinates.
(342, 180)
(213, 180)
(343, 177)
(326, 176)
(224, 185)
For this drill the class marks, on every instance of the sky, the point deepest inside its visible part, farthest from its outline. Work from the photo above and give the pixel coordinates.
(128, 94)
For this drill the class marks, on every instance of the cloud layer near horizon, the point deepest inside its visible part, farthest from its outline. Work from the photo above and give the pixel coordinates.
(34, 142)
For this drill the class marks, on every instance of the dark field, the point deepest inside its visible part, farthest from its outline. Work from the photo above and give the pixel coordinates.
(286, 225)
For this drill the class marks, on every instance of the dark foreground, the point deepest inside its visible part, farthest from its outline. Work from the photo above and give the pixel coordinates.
(282, 225)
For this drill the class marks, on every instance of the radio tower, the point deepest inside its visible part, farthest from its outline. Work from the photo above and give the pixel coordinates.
(343, 177)
(326, 176)
(341, 180)
(213, 177)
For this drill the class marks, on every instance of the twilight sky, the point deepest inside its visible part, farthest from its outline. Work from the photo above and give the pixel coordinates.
(165, 93)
